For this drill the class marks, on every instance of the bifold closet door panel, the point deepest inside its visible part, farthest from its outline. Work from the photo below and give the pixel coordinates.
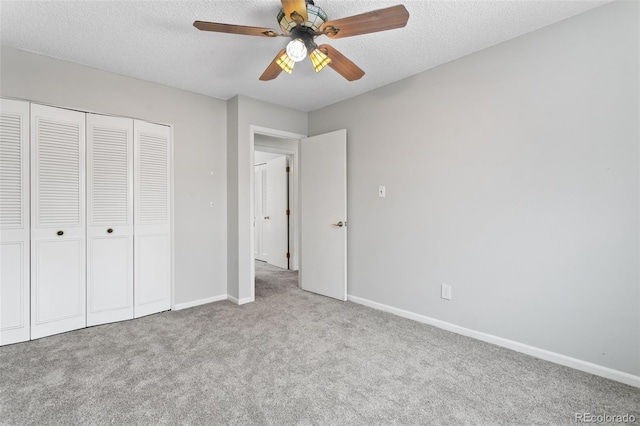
(109, 219)
(152, 218)
(14, 221)
(58, 252)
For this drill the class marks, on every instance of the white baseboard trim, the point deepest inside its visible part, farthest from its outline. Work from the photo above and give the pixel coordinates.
(557, 358)
(240, 301)
(199, 302)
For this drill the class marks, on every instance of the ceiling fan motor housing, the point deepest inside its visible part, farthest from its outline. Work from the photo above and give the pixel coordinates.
(305, 36)
(316, 18)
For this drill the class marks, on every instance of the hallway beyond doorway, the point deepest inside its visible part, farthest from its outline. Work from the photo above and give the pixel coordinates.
(272, 281)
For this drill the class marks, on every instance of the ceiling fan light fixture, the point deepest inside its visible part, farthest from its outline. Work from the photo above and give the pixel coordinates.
(286, 63)
(297, 50)
(302, 21)
(319, 60)
(316, 17)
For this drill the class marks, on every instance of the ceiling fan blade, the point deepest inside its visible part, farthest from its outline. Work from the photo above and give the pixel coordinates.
(341, 64)
(370, 22)
(295, 7)
(273, 70)
(235, 29)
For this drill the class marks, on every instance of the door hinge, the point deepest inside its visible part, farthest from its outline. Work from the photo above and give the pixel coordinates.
(287, 212)
(288, 255)
(288, 169)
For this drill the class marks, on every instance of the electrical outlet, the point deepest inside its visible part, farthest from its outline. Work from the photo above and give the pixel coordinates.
(446, 291)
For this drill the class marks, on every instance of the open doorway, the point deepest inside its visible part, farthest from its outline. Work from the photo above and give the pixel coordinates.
(321, 177)
(275, 212)
(320, 191)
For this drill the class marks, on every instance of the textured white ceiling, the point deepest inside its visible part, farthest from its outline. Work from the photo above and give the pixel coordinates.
(156, 41)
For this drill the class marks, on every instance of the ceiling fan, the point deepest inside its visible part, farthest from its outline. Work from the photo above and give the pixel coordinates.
(303, 21)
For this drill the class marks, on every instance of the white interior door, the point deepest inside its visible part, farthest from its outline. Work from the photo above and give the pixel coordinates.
(275, 237)
(109, 219)
(152, 218)
(58, 256)
(258, 217)
(323, 206)
(14, 221)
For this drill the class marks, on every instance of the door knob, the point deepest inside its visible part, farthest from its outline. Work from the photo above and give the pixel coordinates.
(266, 217)
(109, 231)
(339, 224)
(60, 233)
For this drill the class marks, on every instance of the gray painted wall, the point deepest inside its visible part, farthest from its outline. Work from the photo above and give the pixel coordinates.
(513, 175)
(232, 196)
(199, 148)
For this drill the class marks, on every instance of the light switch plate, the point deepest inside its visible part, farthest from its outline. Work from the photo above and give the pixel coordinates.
(381, 191)
(446, 291)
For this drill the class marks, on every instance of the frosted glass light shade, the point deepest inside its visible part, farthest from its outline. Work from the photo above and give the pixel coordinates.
(319, 60)
(296, 50)
(286, 63)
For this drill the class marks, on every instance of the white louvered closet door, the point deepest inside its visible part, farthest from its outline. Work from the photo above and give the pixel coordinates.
(58, 256)
(14, 221)
(109, 219)
(152, 215)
